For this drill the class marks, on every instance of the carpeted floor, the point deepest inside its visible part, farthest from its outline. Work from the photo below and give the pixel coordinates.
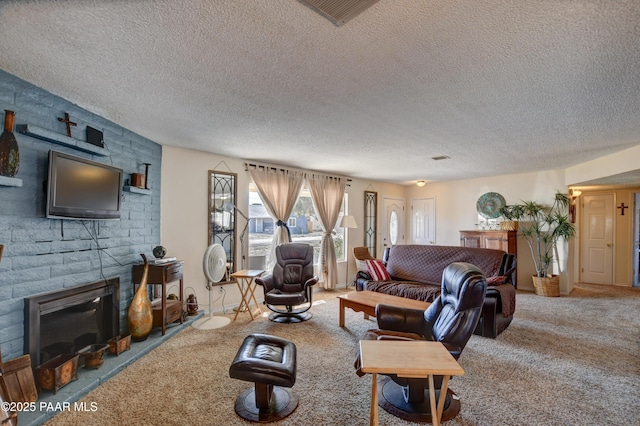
(563, 361)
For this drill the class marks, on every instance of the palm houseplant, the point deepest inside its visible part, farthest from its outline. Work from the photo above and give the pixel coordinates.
(543, 226)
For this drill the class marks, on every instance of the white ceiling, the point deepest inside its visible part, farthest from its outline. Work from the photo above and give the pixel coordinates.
(500, 86)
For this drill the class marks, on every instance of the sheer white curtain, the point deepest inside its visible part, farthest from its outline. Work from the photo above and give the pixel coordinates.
(327, 194)
(279, 191)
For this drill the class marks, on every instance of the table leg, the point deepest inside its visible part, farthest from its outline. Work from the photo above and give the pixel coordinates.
(247, 299)
(435, 420)
(342, 308)
(443, 396)
(253, 295)
(163, 305)
(241, 299)
(373, 413)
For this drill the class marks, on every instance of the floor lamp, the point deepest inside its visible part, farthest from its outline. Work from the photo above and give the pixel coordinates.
(229, 207)
(348, 222)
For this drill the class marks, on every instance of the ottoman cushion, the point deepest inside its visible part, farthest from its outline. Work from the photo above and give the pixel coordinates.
(265, 359)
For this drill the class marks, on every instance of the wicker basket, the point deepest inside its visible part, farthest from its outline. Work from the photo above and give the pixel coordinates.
(509, 225)
(547, 286)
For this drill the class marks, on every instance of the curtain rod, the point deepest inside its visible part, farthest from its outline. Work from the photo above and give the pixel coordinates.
(247, 165)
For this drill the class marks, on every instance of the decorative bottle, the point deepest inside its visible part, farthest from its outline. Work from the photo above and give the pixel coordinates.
(9, 154)
(140, 315)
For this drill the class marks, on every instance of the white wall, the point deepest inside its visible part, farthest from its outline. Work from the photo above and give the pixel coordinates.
(356, 208)
(456, 209)
(184, 216)
(184, 205)
(184, 208)
(620, 162)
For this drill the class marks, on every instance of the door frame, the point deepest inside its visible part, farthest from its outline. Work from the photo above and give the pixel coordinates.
(385, 221)
(583, 240)
(432, 221)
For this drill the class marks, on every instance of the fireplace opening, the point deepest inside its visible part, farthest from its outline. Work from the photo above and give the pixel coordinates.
(65, 321)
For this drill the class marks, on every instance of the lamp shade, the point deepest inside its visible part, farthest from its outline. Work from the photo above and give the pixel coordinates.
(348, 221)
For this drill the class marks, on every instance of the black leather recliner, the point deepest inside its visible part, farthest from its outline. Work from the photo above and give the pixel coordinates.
(290, 284)
(450, 319)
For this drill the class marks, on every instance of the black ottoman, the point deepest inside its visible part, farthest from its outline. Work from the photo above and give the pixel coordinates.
(269, 362)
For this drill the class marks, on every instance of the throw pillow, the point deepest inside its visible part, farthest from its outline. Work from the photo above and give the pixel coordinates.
(362, 265)
(377, 270)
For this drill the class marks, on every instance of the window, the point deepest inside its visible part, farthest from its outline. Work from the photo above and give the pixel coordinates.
(303, 225)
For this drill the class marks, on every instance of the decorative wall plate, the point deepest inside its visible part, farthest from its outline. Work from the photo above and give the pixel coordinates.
(489, 205)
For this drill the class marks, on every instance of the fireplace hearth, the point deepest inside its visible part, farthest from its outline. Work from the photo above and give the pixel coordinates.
(65, 321)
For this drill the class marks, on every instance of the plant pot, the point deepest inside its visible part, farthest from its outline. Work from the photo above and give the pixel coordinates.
(119, 344)
(547, 286)
(509, 225)
(57, 372)
(92, 355)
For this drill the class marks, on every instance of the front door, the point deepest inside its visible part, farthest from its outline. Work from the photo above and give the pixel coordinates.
(423, 221)
(393, 222)
(596, 259)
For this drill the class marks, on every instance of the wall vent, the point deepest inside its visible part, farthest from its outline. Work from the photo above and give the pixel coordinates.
(339, 11)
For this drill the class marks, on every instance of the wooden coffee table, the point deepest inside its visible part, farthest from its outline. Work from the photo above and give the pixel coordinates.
(366, 301)
(418, 360)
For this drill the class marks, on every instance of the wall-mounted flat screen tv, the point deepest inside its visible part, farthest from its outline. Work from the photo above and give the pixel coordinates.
(78, 188)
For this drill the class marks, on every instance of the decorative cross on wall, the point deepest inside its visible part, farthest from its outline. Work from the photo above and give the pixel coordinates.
(68, 122)
(622, 207)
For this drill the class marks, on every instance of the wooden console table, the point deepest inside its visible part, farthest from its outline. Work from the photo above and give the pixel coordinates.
(491, 239)
(164, 311)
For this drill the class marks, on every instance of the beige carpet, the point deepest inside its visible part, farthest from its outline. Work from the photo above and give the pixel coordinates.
(563, 361)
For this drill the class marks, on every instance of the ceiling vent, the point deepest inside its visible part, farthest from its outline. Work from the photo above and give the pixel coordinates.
(339, 11)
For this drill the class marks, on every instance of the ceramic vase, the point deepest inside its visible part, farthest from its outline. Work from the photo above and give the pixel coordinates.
(140, 315)
(9, 154)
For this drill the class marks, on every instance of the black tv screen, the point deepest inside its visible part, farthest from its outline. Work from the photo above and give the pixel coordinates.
(82, 189)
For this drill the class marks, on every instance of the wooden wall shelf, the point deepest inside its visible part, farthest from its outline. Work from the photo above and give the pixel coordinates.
(49, 136)
(9, 181)
(136, 190)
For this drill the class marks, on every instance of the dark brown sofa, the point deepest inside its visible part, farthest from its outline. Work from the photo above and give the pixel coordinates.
(416, 273)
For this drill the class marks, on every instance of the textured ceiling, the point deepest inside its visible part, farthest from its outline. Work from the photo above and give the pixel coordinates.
(499, 86)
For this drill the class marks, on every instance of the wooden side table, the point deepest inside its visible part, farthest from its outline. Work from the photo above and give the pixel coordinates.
(244, 280)
(418, 360)
(164, 311)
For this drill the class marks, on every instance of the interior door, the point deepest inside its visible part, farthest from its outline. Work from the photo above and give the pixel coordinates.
(393, 222)
(596, 258)
(423, 221)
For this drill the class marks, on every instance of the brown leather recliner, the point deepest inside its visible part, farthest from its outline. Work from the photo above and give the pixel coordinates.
(290, 284)
(450, 319)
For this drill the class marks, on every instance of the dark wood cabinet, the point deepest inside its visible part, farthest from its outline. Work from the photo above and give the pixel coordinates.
(497, 240)
(165, 311)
